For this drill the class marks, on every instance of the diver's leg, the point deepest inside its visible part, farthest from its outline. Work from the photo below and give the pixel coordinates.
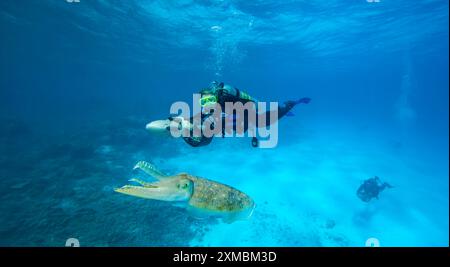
(284, 109)
(255, 141)
(288, 105)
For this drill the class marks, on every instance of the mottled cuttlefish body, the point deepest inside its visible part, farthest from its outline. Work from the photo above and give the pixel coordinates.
(201, 195)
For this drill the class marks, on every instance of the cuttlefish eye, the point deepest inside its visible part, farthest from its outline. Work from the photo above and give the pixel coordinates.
(183, 185)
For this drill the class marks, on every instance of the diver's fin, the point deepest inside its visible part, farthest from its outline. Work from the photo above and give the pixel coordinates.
(143, 183)
(292, 103)
(150, 169)
(304, 100)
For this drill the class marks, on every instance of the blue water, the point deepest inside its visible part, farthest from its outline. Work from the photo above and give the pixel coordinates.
(79, 82)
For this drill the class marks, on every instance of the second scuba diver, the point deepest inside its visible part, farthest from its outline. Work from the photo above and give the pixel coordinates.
(371, 188)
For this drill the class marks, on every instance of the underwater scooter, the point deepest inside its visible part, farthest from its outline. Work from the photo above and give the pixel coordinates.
(163, 127)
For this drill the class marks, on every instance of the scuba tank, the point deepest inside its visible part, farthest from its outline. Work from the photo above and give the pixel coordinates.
(228, 90)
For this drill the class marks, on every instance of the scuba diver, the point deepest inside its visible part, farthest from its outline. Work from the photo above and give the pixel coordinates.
(371, 188)
(220, 93)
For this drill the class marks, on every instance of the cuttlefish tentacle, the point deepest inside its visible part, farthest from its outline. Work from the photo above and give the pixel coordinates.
(173, 188)
(146, 192)
(143, 183)
(150, 169)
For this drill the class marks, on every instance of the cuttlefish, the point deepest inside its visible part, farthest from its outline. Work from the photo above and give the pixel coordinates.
(201, 196)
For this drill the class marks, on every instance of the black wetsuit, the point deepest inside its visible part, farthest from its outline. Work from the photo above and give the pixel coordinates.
(223, 96)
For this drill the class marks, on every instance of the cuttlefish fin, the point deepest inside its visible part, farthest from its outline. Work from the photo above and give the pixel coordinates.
(143, 183)
(197, 213)
(150, 169)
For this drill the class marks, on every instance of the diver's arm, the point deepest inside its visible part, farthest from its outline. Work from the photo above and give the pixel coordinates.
(197, 141)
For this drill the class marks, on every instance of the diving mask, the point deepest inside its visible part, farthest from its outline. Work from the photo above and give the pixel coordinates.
(208, 100)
